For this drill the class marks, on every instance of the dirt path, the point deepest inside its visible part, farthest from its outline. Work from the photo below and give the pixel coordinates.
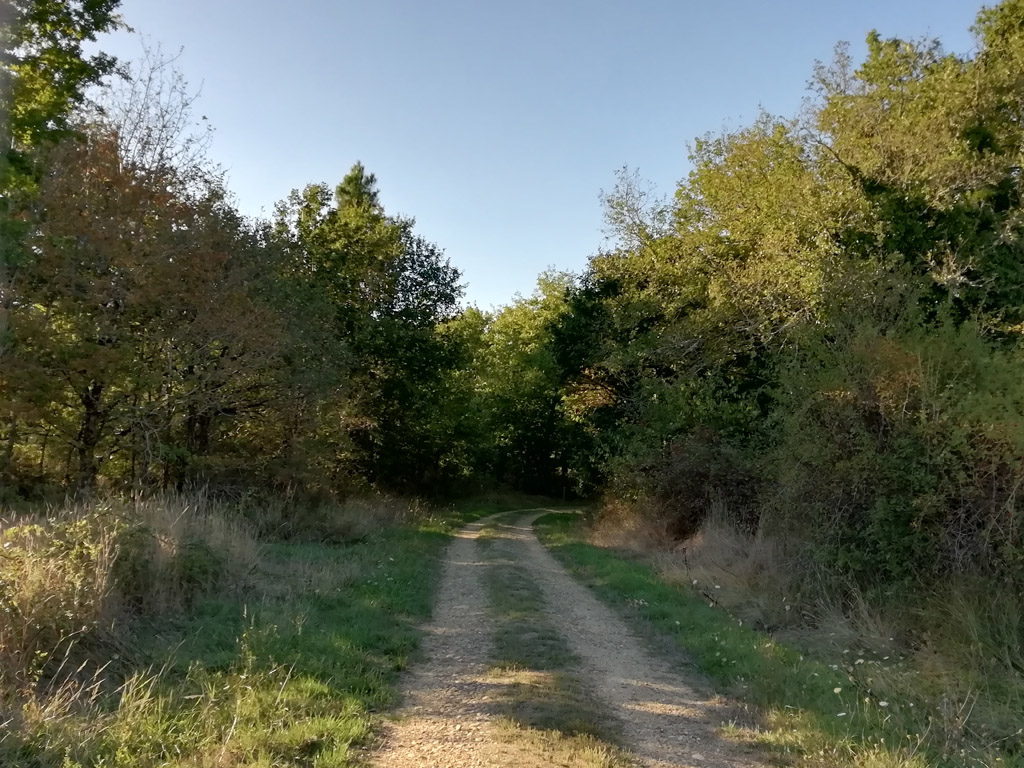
(667, 722)
(450, 702)
(446, 699)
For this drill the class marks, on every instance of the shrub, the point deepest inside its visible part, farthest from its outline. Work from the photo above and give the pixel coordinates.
(329, 521)
(71, 581)
(697, 471)
(901, 455)
(56, 593)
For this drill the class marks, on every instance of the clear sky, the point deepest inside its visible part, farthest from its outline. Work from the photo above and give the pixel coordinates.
(496, 124)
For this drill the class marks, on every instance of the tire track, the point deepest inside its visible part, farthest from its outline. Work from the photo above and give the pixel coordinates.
(451, 700)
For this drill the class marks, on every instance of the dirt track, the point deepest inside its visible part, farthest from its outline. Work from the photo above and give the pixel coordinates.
(451, 700)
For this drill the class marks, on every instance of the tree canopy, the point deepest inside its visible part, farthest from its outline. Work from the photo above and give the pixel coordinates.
(820, 331)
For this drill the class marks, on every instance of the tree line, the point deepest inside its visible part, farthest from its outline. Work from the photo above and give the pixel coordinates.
(819, 333)
(153, 336)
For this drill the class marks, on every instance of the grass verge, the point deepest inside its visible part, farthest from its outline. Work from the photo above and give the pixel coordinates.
(813, 712)
(292, 671)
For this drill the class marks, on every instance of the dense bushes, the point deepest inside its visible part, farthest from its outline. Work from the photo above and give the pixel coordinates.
(820, 333)
(904, 454)
(74, 584)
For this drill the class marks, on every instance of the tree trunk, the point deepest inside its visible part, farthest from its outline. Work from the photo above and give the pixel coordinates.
(7, 462)
(89, 438)
(198, 426)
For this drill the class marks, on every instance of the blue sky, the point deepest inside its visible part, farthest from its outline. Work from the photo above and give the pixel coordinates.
(496, 124)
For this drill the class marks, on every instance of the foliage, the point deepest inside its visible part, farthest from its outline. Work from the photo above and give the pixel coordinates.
(822, 329)
(155, 338)
(45, 71)
(386, 293)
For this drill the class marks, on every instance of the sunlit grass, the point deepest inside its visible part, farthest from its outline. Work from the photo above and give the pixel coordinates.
(853, 708)
(293, 671)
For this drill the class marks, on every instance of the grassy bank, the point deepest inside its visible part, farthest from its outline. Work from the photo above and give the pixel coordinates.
(286, 660)
(854, 707)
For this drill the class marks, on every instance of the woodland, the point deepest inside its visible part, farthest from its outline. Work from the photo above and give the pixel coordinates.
(819, 332)
(797, 380)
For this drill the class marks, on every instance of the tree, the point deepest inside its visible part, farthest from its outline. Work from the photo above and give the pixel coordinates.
(387, 291)
(44, 75)
(787, 345)
(45, 72)
(131, 310)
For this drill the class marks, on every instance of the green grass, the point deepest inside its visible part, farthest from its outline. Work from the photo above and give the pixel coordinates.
(296, 673)
(812, 711)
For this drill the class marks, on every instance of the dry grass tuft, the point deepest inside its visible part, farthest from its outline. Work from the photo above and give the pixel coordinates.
(752, 575)
(626, 525)
(72, 580)
(329, 521)
(949, 661)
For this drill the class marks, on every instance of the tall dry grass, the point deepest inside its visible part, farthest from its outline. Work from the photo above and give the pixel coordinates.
(955, 652)
(82, 584)
(74, 578)
(328, 520)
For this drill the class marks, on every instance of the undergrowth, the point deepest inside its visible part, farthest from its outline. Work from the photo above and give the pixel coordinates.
(168, 634)
(828, 698)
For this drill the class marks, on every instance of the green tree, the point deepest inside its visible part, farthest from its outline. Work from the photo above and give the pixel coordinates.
(44, 75)
(387, 291)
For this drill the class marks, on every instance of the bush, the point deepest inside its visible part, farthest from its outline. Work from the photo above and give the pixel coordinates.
(901, 455)
(329, 521)
(698, 471)
(71, 581)
(56, 593)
